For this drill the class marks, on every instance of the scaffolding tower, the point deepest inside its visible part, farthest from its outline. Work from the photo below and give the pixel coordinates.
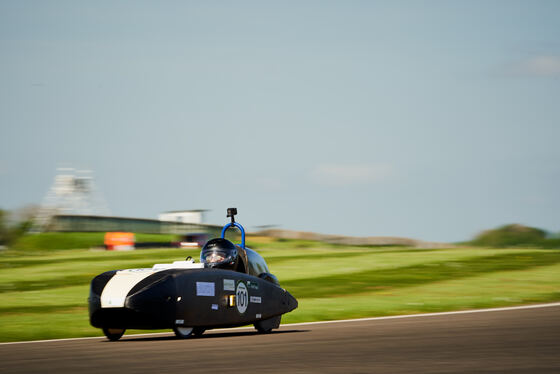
(73, 192)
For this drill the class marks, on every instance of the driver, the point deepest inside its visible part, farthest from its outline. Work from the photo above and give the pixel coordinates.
(220, 254)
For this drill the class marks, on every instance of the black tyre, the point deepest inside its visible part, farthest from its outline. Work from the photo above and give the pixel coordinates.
(183, 332)
(265, 326)
(198, 331)
(113, 334)
(262, 329)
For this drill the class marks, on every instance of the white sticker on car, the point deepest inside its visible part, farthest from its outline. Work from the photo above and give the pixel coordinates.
(214, 306)
(242, 297)
(205, 289)
(229, 285)
(255, 299)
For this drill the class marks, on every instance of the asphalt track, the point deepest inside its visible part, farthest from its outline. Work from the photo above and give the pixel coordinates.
(495, 341)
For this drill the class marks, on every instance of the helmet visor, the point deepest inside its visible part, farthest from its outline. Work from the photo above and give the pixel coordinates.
(214, 257)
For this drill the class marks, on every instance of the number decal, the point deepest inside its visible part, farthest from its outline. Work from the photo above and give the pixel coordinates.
(242, 297)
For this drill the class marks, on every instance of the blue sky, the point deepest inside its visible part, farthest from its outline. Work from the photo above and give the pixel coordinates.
(425, 119)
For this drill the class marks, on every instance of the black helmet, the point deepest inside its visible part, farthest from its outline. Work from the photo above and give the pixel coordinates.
(219, 253)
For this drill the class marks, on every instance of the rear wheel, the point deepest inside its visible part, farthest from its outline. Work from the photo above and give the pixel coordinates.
(113, 334)
(183, 332)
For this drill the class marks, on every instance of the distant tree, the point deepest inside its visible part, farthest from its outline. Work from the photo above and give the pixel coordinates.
(3, 227)
(14, 225)
(513, 235)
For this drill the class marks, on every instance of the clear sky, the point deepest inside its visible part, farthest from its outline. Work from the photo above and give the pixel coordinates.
(426, 119)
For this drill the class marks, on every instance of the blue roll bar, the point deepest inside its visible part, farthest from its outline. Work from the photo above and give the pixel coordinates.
(235, 224)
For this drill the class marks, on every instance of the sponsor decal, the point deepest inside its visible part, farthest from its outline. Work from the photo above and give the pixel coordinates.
(253, 285)
(242, 297)
(255, 299)
(229, 285)
(205, 289)
(214, 306)
(258, 315)
(179, 321)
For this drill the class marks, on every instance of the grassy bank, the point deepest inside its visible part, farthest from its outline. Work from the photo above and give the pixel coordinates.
(44, 295)
(49, 241)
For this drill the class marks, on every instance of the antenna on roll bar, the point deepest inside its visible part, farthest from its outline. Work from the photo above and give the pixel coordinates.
(231, 212)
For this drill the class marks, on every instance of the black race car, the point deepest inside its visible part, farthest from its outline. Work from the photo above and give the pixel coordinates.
(231, 286)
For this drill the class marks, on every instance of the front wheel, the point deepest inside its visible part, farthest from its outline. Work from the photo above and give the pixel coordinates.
(198, 331)
(113, 334)
(183, 332)
(265, 326)
(262, 329)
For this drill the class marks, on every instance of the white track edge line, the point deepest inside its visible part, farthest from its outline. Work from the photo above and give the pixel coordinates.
(531, 306)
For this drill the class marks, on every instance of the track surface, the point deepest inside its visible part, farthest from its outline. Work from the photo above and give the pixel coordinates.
(513, 341)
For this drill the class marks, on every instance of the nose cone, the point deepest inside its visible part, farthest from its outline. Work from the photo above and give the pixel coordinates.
(289, 302)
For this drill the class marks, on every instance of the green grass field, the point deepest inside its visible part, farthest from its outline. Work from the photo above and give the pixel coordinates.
(43, 295)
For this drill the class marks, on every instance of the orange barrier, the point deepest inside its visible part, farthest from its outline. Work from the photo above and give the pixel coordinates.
(119, 241)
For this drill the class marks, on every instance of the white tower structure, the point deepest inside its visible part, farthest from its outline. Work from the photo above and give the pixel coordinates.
(74, 193)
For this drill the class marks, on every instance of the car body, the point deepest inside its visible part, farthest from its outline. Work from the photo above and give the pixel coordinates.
(190, 297)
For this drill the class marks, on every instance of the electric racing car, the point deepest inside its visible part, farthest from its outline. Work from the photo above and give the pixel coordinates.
(231, 286)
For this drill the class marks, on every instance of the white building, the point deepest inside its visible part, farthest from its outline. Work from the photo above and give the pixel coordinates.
(183, 216)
